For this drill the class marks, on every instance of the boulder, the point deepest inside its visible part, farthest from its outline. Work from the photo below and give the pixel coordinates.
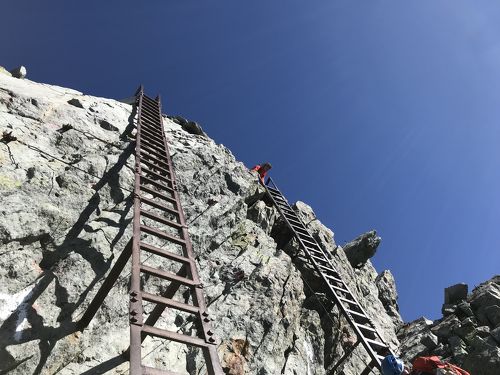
(362, 248)
(19, 72)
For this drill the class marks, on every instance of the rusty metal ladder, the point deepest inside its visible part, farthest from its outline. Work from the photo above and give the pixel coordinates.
(338, 290)
(158, 216)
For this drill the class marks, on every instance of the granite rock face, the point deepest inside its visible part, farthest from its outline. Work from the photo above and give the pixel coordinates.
(66, 184)
(468, 333)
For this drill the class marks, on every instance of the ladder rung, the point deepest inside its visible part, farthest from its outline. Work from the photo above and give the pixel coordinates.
(173, 336)
(148, 140)
(157, 175)
(161, 234)
(355, 313)
(146, 370)
(157, 194)
(150, 116)
(376, 343)
(273, 189)
(339, 288)
(167, 275)
(335, 279)
(147, 98)
(157, 184)
(366, 328)
(301, 228)
(153, 124)
(164, 253)
(154, 166)
(149, 135)
(152, 158)
(150, 109)
(320, 259)
(170, 303)
(327, 268)
(347, 300)
(153, 151)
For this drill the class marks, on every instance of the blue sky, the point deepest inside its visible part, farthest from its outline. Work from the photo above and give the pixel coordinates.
(379, 114)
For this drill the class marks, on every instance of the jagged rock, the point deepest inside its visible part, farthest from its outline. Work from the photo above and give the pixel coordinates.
(466, 330)
(65, 218)
(388, 295)
(455, 293)
(445, 327)
(493, 315)
(464, 309)
(457, 347)
(5, 71)
(448, 309)
(483, 331)
(496, 334)
(485, 295)
(483, 358)
(415, 338)
(430, 340)
(362, 248)
(19, 72)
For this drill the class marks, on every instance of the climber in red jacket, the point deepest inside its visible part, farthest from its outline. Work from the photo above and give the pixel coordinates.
(262, 170)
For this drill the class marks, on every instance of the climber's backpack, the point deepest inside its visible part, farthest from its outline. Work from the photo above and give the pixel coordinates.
(433, 365)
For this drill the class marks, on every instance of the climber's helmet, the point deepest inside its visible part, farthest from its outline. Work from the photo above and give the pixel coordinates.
(392, 366)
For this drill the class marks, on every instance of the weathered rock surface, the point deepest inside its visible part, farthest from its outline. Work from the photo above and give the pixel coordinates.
(19, 72)
(66, 185)
(466, 335)
(362, 248)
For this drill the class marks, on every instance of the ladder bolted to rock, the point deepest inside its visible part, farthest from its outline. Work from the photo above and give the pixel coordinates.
(158, 217)
(338, 291)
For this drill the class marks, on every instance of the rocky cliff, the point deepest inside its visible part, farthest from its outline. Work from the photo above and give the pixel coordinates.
(66, 187)
(468, 334)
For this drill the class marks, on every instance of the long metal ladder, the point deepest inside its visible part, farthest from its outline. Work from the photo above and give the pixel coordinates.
(338, 290)
(158, 217)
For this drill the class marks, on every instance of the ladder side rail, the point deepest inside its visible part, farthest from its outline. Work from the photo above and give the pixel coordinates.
(135, 304)
(338, 302)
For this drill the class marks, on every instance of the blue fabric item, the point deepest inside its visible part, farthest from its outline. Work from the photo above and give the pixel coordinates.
(392, 366)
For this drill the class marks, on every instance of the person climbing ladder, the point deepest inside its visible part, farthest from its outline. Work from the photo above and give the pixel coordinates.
(262, 169)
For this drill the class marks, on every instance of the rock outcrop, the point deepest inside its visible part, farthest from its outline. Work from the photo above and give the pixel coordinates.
(362, 248)
(66, 185)
(468, 333)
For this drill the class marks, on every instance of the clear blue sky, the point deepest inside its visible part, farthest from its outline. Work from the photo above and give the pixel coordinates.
(379, 114)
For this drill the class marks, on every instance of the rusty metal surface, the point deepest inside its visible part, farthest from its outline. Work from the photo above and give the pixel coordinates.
(155, 177)
(338, 290)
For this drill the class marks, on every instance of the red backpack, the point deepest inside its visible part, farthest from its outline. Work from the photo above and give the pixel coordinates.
(430, 365)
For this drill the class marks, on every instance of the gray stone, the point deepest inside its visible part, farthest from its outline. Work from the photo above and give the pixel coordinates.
(483, 331)
(76, 102)
(485, 295)
(464, 309)
(493, 315)
(19, 72)
(448, 309)
(444, 328)
(458, 348)
(455, 293)
(388, 295)
(430, 340)
(362, 248)
(416, 338)
(496, 334)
